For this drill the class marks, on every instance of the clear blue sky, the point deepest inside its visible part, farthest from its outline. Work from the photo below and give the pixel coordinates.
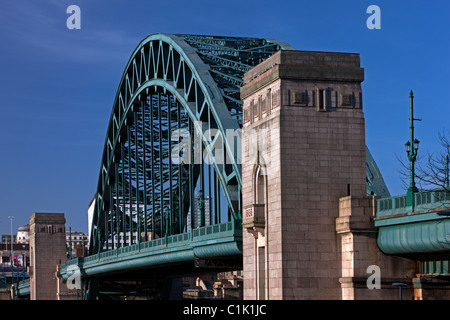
(57, 86)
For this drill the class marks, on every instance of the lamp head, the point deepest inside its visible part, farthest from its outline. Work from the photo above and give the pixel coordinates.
(408, 147)
(416, 144)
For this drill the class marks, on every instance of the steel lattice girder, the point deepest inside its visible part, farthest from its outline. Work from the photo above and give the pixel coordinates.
(203, 76)
(196, 79)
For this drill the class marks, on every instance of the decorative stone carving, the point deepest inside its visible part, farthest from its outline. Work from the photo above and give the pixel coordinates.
(253, 217)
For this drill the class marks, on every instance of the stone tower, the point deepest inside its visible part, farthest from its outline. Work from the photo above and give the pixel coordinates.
(47, 250)
(303, 158)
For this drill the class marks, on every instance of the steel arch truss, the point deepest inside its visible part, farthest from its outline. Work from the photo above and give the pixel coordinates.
(178, 96)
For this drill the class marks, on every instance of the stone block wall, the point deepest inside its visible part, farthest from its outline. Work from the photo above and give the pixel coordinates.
(361, 258)
(303, 149)
(47, 250)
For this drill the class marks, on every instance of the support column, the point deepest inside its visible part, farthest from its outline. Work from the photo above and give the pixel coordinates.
(367, 273)
(303, 133)
(47, 250)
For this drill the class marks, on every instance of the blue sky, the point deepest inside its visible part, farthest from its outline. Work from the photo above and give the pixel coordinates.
(57, 86)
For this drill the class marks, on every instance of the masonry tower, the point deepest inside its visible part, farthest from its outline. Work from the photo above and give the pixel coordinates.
(303, 150)
(47, 250)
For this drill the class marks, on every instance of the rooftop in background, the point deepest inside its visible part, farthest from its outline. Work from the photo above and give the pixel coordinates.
(25, 227)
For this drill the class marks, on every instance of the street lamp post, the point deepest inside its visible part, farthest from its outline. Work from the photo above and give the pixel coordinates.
(12, 253)
(399, 285)
(201, 207)
(447, 161)
(70, 243)
(412, 147)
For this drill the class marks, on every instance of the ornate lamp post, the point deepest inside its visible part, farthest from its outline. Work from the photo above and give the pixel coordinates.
(412, 147)
(447, 161)
(70, 243)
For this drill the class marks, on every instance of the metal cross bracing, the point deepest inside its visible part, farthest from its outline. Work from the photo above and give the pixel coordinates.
(229, 58)
(173, 82)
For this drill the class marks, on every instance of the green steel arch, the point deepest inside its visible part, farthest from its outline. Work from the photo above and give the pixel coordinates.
(185, 84)
(171, 82)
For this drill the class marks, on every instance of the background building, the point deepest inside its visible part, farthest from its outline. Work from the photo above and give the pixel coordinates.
(21, 240)
(197, 216)
(74, 240)
(21, 260)
(6, 238)
(23, 234)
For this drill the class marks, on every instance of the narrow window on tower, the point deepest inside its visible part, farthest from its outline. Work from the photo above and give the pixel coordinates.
(321, 100)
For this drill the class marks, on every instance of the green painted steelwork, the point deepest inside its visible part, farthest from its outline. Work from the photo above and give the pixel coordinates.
(374, 180)
(22, 288)
(436, 267)
(428, 236)
(422, 231)
(213, 241)
(176, 83)
(199, 75)
(407, 218)
(3, 283)
(425, 201)
(412, 148)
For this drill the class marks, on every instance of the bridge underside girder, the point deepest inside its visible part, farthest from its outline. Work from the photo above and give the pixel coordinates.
(158, 282)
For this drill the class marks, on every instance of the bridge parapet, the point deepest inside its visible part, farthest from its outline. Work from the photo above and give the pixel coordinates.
(425, 230)
(425, 201)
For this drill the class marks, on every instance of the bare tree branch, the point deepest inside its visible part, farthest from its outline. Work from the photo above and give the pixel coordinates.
(430, 171)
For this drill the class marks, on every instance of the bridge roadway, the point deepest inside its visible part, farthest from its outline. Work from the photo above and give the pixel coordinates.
(216, 247)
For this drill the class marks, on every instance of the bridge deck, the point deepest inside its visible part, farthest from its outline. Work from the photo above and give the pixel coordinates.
(422, 233)
(22, 288)
(211, 242)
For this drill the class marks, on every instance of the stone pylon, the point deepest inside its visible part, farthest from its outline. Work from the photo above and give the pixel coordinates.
(47, 250)
(303, 151)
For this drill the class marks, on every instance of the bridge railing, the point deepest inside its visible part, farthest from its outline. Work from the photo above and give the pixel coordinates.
(424, 201)
(215, 228)
(24, 283)
(73, 261)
